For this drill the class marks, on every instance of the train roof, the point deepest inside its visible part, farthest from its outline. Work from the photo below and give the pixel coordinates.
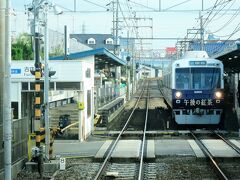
(195, 54)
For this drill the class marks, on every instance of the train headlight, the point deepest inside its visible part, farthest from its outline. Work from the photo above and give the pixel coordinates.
(218, 94)
(178, 94)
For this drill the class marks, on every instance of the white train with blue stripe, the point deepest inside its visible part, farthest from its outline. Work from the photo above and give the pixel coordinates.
(193, 87)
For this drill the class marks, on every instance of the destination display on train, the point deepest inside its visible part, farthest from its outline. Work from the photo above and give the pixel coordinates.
(197, 63)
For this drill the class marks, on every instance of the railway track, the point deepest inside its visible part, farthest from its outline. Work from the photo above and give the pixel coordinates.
(158, 116)
(213, 160)
(161, 167)
(136, 170)
(229, 143)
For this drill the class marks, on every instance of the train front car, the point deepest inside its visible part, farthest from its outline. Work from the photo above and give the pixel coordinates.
(197, 91)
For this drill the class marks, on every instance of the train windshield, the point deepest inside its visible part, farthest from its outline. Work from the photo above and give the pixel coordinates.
(197, 78)
(182, 78)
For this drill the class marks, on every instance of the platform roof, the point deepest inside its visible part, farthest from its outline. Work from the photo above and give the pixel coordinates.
(102, 57)
(230, 58)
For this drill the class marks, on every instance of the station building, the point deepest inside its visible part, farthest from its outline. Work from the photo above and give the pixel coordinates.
(73, 81)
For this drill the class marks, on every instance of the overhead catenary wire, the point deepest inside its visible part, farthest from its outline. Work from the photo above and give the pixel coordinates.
(124, 18)
(228, 22)
(142, 5)
(176, 5)
(98, 5)
(225, 11)
(237, 29)
(132, 18)
(214, 6)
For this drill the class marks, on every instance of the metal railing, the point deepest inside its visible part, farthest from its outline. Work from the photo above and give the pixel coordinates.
(107, 94)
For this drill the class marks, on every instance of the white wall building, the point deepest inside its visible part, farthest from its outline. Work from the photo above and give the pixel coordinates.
(145, 72)
(72, 77)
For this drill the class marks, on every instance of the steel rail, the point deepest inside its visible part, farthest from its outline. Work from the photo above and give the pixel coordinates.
(101, 170)
(233, 146)
(140, 174)
(220, 173)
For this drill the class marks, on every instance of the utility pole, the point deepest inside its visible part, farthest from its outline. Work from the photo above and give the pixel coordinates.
(115, 25)
(160, 5)
(6, 59)
(40, 9)
(75, 6)
(46, 83)
(2, 58)
(142, 23)
(201, 31)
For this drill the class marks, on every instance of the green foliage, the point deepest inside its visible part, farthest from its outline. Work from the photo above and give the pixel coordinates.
(22, 48)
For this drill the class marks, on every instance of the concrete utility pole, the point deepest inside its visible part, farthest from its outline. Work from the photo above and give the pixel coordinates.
(2, 56)
(75, 5)
(160, 5)
(7, 115)
(115, 24)
(46, 82)
(201, 31)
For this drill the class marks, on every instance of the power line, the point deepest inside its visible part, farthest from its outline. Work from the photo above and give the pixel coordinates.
(231, 34)
(214, 6)
(229, 21)
(147, 7)
(237, 28)
(202, 24)
(124, 18)
(225, 11)
(98, 5)
(176, 5)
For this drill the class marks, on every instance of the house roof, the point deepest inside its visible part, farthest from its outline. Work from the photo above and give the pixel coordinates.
(100, 40)
(102, 57)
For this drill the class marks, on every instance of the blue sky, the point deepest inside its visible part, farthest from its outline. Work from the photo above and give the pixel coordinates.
(171, 22)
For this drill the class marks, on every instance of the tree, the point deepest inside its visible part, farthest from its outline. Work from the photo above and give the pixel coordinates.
(22, 48)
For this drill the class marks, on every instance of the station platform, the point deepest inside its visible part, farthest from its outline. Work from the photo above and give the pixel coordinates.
(130, 149)
(111, 110)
